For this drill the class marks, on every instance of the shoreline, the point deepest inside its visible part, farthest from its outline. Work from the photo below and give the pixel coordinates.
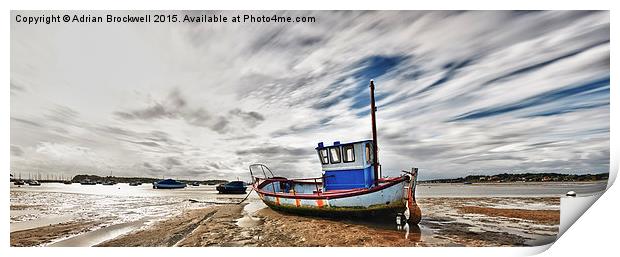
(515, 182)
(48, 234)
(446, 222)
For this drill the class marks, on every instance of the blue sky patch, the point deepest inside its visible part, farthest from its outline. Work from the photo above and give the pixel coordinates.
(583, 91)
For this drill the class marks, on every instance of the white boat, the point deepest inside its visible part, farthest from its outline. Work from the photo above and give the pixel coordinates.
(351, 184)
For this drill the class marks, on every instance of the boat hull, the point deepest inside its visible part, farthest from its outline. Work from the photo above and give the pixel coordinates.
(387, 211)
(232, 191)
(156, 186)
(383, 202)
(168, 184)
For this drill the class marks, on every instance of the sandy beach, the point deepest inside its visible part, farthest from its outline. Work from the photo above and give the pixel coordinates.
(46, 234)
(446, 222)
(220, 226)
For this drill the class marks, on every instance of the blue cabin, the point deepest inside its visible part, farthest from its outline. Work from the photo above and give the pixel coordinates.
(347, 166)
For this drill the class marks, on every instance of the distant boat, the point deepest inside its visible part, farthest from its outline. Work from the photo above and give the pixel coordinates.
(234, 187)
(168, 184)
(87, 182)
(19, 183)
(467, 183)
(109, 183)
(195, 183)
(34, 183)
(67, 182)
(133, 184)
(211, 183)
(350, 185)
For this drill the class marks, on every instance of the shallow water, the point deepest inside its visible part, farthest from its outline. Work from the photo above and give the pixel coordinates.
(125, 208)
(95, 237)
(525, 189)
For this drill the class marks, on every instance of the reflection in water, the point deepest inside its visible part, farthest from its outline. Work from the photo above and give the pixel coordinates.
(97, 236)
(412, 231)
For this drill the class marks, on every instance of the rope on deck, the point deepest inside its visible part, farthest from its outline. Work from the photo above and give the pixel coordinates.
(209, 202)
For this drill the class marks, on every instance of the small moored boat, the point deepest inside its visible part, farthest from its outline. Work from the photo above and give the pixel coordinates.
(88, 182)
(34, 183)
(168, 184)
(19, 183)
(133, 184)
(351, 184)
(67, 182)
(234, 187)
(195, 183)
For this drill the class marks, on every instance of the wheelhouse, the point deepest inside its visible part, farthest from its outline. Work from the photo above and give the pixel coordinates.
(347, 166)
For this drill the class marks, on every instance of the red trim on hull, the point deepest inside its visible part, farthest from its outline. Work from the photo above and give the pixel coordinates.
(331, 194)
(269, 180)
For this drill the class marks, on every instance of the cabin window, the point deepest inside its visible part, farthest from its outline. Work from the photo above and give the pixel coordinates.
(348, 154)
(334, 154)
(323, 156)
(369, 153)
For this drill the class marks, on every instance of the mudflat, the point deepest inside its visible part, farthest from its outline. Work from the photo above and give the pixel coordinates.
(46, 234)
(446, 222)
(167, 232)
(541, 216)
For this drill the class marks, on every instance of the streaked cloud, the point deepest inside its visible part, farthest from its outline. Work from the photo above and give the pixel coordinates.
(457, 92)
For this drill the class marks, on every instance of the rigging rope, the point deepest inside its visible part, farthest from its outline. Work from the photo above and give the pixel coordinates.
(246, 197)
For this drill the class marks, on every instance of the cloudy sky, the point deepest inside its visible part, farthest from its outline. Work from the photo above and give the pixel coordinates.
(458, 93)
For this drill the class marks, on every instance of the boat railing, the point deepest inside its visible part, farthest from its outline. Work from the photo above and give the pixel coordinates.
(270, 179)
(263, 168)
(317, 181)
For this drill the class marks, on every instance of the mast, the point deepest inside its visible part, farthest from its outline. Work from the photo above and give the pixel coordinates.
(373, 109)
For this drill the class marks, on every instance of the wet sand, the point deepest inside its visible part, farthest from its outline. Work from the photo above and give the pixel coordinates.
(46, 234)
(171, 231)
(541, 216)
(21, 207)
(99, 235)
(446, 222)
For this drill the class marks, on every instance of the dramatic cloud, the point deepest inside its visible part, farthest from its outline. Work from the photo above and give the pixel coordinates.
(458, 93)
(16, 150)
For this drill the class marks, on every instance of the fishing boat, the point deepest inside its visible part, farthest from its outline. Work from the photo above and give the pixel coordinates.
(19, 183)
(109, 183)
(67, 182)
(195, 183)
(168, 184)
(88, 182)
(34, 183)
(350, 186)
(233, 187)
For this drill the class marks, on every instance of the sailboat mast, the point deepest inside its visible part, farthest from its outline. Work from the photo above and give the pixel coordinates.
(373, 109)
